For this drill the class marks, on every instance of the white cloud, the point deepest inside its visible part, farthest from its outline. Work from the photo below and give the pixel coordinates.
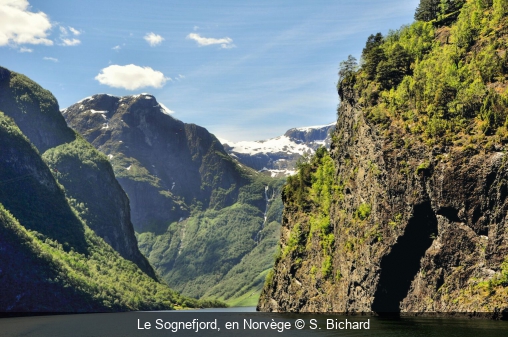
(20, 26)
(225, 42)
(131, 77)
(25, 50)
(116, 48)
(65, 41)
(153, 39)
(74, 31)
(227, 46)
(50, 59)
(70, 42)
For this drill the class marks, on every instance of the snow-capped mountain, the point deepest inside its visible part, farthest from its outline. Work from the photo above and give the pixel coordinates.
(279, 155)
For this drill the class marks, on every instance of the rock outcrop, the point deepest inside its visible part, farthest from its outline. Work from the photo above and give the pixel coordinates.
(163, 164)
(416, 228)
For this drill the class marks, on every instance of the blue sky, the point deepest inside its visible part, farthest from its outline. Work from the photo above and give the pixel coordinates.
(245, 70)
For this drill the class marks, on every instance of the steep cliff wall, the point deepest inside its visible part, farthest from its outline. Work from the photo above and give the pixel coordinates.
(416, 220)
(415, 229)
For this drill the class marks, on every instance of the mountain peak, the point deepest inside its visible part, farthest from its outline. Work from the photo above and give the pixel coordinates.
(279, 155)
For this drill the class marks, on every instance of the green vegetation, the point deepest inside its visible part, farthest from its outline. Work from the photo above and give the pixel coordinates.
(220, 254)
(312, 191)
(100, 280)
(34, 109)
(27, 94)
(363, 211)
(50, 260)
(444, 89)
(429, 10)
(27, 190)
(51, 248)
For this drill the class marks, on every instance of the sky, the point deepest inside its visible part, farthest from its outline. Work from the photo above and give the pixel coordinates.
(245, 70)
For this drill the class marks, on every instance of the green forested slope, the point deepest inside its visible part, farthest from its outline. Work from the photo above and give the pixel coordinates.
(49, 258)
(222, 254)
(442, 84)
(85, 173)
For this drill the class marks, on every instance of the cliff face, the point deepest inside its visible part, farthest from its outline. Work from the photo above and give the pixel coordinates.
(416, 228)
(163, 164)
(408, 211)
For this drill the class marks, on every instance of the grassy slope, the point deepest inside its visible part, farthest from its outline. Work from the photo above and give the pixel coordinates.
(228, 248)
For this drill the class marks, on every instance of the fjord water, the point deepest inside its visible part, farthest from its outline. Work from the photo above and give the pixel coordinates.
(128, 324)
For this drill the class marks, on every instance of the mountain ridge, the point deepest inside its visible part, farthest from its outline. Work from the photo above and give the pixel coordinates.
(278, 156)
(189, 199)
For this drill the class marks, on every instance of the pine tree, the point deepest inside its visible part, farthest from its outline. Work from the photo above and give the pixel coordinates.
(429, 10)
(372, 55)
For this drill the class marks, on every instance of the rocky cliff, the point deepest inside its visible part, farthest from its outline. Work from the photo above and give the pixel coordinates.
(163, 164)
(416, 216)
(415, 229)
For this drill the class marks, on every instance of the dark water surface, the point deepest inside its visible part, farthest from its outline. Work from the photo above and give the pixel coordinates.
(245, 322)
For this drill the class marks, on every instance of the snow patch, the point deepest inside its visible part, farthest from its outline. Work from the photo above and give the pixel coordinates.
(110, 156)
(275, 173)
(274, 145)
(128, 168)
(165, 110)
(98, 111)
(91, 98)
(309, 128)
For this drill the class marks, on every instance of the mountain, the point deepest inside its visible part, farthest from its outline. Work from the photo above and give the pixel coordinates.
(407, 212)
(50, 258)
(279, 155)
(198, 214)
(85, 173)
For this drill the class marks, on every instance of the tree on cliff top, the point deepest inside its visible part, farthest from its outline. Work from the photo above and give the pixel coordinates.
(429, 10)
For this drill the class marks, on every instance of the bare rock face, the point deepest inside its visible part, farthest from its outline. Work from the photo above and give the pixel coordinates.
(163, 164)
(416, 229)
